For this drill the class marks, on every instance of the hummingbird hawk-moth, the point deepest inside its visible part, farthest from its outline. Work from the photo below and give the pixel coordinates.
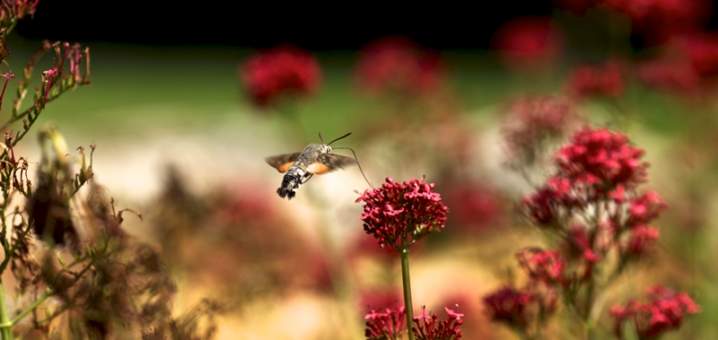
(299, 167)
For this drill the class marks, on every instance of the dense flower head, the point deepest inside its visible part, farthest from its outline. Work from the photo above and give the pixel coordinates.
(641, 238)
(533, 121)
(604, 80)
(427, 325)
(601, 159)
(278, 72)
(543, 265)
(663, 312)
(387, 323)
(398, 65)
(529, 41)
(399, 213)
(508, 305)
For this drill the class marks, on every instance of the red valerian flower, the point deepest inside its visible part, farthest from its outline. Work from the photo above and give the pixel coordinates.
(386, 324)
(530, 41)
(669, 75)
(604, 80)
(658, 20)
(578, 236)
(427, 326)
(645, 208)
(398, 65)
(663, 312)
(399, 213)
(701, 50)
(509, 305)
(640, 238)
(601, 159)
(278, 72)
(543, 265)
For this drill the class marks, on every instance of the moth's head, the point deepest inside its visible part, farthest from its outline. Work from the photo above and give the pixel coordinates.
(324, 148)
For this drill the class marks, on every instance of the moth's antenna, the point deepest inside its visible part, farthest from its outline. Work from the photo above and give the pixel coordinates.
(339, 138)
(356, 159)
(320, 138)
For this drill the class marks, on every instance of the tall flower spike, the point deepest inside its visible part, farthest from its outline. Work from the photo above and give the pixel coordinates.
(399, 213)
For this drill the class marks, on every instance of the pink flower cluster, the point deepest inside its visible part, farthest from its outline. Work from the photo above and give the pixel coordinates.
(399, 213)
(389, 324)
(282, 71)
(427, 325)
(397, 65)
(604, 80)
(385, 324)
(663, 312)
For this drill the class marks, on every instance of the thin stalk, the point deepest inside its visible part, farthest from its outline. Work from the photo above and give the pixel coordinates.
(5, 324)
(47, 294)
(408, 308)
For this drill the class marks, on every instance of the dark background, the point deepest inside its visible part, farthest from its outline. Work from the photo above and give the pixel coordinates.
(323, 26)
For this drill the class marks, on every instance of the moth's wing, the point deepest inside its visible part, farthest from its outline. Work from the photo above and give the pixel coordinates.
(282, 162)
(329, 162)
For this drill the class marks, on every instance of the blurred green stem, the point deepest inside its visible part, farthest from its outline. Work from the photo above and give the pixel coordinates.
(5, 324)
(408, 308)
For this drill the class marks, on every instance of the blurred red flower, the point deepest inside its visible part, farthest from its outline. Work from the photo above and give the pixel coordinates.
(278, 72)
(534, 121)
(663, 312)
(509, 305)
(399, 213)
(398, 65)
(528, 41)
(604, 80)
(659, 20)
(473, 205)
(543, 265)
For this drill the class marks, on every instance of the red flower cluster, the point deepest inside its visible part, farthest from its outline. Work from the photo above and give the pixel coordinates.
(385, 324)
(597, 167)
(398, 65)
(399, 213)
(281, 71)
(532, 122)
(601, 160)
(687, 63)
(509, 305)
(427, 326)
(663, 312)
(597, 81)
(390, 323)
(660, 19)
(542, 265)
(528, 42)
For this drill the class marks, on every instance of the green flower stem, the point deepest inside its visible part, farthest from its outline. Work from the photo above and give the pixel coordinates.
(5, 323)
(408, 308)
